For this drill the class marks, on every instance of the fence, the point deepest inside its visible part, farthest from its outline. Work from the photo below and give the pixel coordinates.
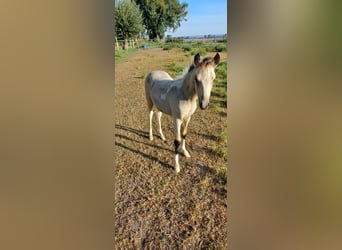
(126, 44)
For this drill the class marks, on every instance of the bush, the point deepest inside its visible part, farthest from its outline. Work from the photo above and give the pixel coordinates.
(202, 52)
(210, 48)
(186, 48)
(168, 47)
(169, 39)
(222, 41)
(220, 48)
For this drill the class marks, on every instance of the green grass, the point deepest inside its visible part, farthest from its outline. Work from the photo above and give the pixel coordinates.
(222, 173)
(222, 92)
(119, 54)
(175, 69)
(202, 52)
(220, 48)
(186, 48)
(220, 150)
(168, 47)
(221, 72)
(219, 102)
(224, 136)
(219, 92)
(215, 105)
(220, 146)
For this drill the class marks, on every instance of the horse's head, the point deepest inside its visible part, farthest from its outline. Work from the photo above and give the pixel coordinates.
(204, 76)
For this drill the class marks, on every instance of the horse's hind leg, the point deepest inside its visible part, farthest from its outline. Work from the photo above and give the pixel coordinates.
(150, 111)
(149, 103)
(159, 114)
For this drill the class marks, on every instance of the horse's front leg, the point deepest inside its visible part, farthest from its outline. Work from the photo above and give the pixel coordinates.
(177, 128)
(184, 133)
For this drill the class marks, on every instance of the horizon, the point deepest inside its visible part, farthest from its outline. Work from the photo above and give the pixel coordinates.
(200, 36)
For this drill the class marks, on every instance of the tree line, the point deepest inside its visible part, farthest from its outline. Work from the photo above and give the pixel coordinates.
(153, 18)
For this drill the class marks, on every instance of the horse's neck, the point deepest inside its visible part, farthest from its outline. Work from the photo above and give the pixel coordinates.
(189, 86)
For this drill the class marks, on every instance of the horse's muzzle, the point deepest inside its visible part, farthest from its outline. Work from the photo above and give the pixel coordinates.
(203, 106)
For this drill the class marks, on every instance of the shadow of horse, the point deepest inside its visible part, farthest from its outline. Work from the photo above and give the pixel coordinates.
(124, 137)
(132, 130)
(145, 136)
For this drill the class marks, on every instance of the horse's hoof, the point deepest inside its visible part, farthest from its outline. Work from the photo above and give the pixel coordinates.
(186, 154)
(151, 138)
(177, 168)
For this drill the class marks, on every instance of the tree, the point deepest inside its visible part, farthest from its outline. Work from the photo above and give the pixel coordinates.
(161, 15)
(128, 19)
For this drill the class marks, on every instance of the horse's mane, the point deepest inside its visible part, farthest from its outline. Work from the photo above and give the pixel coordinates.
(186, 70)
(204, 62)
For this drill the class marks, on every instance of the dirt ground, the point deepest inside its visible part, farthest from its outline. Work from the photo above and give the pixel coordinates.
(156, 208)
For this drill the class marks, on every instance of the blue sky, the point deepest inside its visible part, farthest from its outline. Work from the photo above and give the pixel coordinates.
(204, 17)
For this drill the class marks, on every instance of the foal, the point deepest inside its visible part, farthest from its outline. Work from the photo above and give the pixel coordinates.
(179, 97)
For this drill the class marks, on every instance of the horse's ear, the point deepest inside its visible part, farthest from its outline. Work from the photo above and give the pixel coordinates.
(217, 58)
(197, 59)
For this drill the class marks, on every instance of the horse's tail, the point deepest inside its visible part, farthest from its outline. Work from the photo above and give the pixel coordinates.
(148, 82)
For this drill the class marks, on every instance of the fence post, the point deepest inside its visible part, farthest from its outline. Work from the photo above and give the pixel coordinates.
(126, 44)
(117, 44)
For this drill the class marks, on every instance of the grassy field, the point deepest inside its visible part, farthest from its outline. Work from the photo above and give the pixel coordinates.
(197, 47)
(123, 53)
(155, 208)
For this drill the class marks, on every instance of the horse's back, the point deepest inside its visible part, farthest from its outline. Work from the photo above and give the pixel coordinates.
(157, 75)
(158, 80)
(157, 84)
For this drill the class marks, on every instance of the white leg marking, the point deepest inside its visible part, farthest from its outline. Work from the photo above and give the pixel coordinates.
(159, 124)
(177, 168)
(185, 152)
(177, 126)
(150, 115)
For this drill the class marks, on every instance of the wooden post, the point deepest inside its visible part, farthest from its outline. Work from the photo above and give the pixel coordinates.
(117, 44)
